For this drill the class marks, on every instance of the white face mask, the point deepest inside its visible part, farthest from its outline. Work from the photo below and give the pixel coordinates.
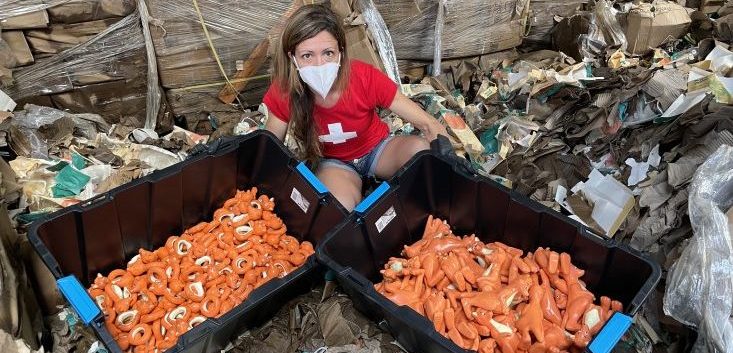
(320, 78)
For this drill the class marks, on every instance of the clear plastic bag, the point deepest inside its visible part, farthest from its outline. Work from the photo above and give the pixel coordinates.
(699, 289)
(438, 51)
(36, 145)
(608, 24)
(382, 38)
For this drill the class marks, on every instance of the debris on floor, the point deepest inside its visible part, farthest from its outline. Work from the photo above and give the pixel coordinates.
(307, 324)
(603, 111)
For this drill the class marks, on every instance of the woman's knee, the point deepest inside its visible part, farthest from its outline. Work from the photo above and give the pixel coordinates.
(420, 144)
(414, 145)
(345, 186)
(348, 195)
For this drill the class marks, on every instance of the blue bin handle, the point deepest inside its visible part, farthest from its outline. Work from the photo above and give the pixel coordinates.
(610, 334)
(78, 298)
(311, 178)
(365, 204)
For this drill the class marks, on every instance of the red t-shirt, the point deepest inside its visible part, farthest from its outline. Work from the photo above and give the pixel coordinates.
(351, 128)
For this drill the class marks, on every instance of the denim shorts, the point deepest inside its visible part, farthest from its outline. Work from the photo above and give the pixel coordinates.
(363, 166)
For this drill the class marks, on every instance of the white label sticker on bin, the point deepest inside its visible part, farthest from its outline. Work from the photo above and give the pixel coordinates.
(299, 200)
(384, 220)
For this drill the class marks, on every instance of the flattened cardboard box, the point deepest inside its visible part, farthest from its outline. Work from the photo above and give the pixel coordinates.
(470, 27)
(650, 25)
(358, 42)
(90, 10)
(38, 19)
(18, 48)
(361, 48)
(60, 37)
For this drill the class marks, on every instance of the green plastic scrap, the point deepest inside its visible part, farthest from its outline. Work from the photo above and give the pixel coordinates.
(623, 108)
(27, 218)
(69, 182)
(78, 161)
(546, 94)
(69, 317)
(58, 166)
(663, 120)
(488, 139)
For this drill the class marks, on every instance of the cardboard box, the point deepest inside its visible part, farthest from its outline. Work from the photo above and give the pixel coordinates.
(650, 25)
(361, 48)
(38, 19)
(470, 27)
(19, 49)
(60, 37)
(90, 10)
(342, 8)
(358, 42)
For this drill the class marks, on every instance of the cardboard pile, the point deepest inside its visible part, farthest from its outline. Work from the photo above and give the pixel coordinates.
(190, 76)
(83, 56)
(470, 28)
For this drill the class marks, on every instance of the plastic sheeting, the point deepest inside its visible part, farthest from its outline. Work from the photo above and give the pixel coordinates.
(95, 61)
(470, 27)
(608, 24)
(382, 38)
(68, 11)
(188, 70)
(106, 75)
(699, 289)
(236, 27)
(154, 94)
(36, 143)
(12, 8)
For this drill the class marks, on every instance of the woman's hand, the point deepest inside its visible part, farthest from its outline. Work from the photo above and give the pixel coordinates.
(419, 118)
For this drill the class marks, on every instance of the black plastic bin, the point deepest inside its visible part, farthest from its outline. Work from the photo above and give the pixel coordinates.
(429, 184)
(103, 234)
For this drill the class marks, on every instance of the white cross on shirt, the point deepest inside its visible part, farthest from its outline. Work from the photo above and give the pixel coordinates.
(336, 134)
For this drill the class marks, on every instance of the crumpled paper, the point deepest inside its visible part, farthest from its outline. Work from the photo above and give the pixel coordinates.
(20, 317)
(10, 345)
(68, 333)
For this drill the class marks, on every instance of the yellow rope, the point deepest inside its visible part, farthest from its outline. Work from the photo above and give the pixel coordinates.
(206, 85)
(213, 51)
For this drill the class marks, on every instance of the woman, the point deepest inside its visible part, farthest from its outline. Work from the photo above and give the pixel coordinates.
(330, 100)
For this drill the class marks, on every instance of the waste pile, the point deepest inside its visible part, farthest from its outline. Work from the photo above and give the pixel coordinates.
(604, 112)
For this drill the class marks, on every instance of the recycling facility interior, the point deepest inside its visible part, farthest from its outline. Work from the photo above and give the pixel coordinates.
(602, 110)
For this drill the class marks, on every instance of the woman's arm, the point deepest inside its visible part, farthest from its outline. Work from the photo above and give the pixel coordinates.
(276, 126)
(418, 117)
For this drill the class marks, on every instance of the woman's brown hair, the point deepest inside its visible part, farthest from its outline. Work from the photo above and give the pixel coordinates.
(306, 23)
